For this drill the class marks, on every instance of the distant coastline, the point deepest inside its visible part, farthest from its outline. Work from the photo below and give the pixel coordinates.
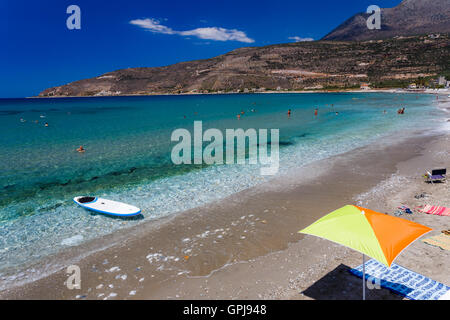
(384, 90)
(318, 66)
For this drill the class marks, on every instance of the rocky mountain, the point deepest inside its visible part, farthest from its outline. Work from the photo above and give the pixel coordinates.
(292, 66)
(410, 17)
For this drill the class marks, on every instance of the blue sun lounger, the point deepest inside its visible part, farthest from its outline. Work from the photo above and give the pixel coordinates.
(438, 175)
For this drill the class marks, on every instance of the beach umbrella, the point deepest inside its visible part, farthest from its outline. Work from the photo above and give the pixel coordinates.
(374, 234)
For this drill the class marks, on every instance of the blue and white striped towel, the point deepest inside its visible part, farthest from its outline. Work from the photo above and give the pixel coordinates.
(402, 281)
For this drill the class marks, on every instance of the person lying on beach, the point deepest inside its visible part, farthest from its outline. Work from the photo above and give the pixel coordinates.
(81, 149)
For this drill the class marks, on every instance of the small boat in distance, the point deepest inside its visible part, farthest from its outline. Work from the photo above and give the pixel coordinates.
(106, 206)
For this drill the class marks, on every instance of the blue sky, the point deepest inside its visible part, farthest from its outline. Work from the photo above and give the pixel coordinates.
(38, 50)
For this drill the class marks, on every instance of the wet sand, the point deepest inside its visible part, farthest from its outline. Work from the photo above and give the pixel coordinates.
(247, 246)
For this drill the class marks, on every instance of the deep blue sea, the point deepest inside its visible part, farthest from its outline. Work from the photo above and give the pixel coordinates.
(128, 147)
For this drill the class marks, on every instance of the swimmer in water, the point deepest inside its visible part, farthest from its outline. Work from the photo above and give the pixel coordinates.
(401, 111)
(81, 149)
(316, 112)
(289, 113)
(46, 124)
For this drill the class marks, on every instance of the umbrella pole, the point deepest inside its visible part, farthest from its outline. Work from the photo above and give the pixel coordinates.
(364, 277)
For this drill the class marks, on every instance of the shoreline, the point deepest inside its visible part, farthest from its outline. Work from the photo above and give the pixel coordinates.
(443, 92)
(233, 233)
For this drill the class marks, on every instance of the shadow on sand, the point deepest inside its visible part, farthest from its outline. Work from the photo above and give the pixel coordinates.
(340, 284)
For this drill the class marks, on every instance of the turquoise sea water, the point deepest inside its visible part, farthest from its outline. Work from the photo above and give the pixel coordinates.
(127, 158)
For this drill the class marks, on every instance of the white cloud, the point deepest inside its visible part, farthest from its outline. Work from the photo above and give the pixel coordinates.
(300, 39)
(210, 33)
(152, 25)
(218, 34)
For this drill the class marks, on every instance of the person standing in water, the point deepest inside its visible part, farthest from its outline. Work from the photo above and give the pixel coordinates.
(316, 112)
(289, 113)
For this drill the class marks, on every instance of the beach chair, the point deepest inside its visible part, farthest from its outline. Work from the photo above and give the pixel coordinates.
(438, 175)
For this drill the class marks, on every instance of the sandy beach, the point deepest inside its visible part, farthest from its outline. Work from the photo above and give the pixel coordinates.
(247, 246)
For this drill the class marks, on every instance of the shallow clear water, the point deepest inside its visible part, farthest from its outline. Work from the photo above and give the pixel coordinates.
(128, 155)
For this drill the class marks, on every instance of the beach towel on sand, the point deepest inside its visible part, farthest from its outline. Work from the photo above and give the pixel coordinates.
(402, 281)
(436, 210)
(442, 241)
(445, 296)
